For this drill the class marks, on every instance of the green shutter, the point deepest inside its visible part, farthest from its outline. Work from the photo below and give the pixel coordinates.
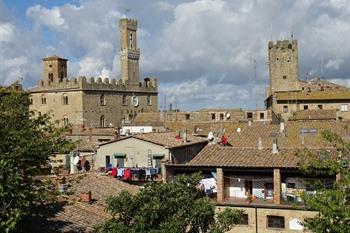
(158, 156)
(119, 155)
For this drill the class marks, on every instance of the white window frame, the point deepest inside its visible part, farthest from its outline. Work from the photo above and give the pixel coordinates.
(344, 107)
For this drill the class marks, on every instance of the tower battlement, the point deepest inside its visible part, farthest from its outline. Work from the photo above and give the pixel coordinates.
(283, 44)
(83, 83)
(130, 24)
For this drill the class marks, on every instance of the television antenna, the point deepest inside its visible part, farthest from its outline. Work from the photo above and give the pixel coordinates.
(126, 12)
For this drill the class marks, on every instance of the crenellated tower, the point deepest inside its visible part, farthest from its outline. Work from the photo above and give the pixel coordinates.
(129, 53)
(283, 66)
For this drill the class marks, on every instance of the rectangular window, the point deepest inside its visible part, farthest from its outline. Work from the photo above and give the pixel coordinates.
(284, 77)
(213, 116)
(320, 106)
(285, 108)
(344, 107)
(120, 162)
(262, 115)
(221, 116)
(245, 220)
(249, 115)
(125, 100)
(275, 221)
(157, 162)
(306, 107)
(149, 102)
(188, 116)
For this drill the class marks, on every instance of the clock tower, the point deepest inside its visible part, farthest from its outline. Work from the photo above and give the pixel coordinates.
(129, 53)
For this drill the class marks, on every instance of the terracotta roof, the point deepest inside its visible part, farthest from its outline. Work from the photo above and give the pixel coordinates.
(319, 84)
(315, 114)
(54, 57)
(314, 95)
(294, 136)
(166, 139)
(222, 156)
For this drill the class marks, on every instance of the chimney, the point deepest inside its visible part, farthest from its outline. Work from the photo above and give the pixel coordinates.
(274, 147)
(249, 123)
(260, 146)
(282, 128)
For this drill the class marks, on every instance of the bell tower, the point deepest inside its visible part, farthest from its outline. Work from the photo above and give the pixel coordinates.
(129, 53)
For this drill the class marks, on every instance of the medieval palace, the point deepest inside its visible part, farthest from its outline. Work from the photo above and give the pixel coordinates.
(97, 103)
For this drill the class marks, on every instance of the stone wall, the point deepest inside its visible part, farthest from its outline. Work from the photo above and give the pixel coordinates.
(55, 105)
(283, 65)
(259, 216)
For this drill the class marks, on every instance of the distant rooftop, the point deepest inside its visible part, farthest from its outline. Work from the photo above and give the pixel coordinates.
(167, 139)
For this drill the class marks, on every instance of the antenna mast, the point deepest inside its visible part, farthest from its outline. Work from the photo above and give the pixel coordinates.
(256, 89)
(126, 12)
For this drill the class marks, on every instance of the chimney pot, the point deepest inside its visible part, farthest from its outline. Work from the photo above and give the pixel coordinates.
(282, 128)
(260, 146)
(274, 148)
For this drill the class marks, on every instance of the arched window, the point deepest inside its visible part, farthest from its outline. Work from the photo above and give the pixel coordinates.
(102, 100)
(102, 121)
(65, 99)
(51, 77)
(31, 101)
(149, 101)
(65, 121)
(130, 41)
(125, 100)
(62, 76)
(43, 99)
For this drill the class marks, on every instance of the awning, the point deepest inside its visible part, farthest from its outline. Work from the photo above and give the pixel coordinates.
(119, 155)
(158, 156)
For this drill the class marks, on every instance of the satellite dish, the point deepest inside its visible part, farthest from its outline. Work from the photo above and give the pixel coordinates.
(210, 136)
(76, 160)
(238, 130)
(228, 115)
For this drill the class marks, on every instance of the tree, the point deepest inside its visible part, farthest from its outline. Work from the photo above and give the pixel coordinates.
(332, 203)
(26, 142)
(176, 206)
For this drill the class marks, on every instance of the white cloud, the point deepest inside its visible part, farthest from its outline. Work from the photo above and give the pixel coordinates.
(334, 64)
(6, 32)
(202, 51)
(48, 17)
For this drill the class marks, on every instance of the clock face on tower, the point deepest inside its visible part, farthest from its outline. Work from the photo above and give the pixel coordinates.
(135, 101)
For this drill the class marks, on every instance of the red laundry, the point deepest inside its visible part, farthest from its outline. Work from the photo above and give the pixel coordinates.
(114, 172)
(127, 174)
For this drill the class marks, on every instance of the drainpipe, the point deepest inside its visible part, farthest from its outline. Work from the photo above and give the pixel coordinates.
(256, 219)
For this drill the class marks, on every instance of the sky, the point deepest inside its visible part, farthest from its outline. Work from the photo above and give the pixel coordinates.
(205, 53)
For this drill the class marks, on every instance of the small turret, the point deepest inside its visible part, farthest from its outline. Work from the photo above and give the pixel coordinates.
(55, 69)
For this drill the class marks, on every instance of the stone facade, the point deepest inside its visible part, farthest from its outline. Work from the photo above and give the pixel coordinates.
(96, 102)
(257, 219)
(288, 94)
(283, 66)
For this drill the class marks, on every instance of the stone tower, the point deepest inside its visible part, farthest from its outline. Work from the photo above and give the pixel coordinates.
(55, 69)
(129, 53)
(283, 66)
